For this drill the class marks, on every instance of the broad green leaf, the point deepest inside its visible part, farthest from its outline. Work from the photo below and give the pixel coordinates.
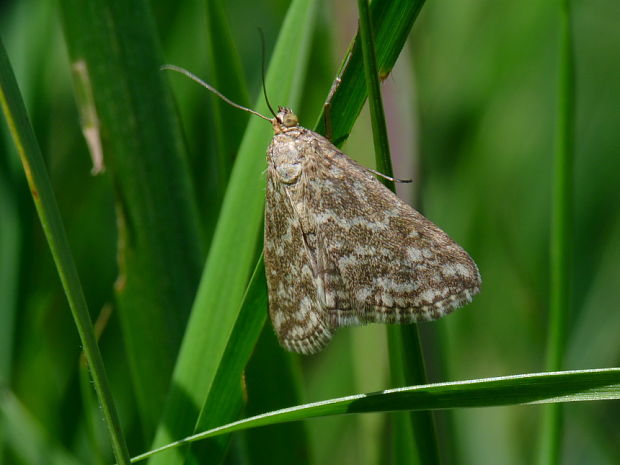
(233, 249)
(116, 58)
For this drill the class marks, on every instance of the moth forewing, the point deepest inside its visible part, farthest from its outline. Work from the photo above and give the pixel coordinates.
(296, 311)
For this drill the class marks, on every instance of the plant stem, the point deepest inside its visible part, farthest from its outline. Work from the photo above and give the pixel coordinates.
(406, 358)
(47, 208)
(561, 233)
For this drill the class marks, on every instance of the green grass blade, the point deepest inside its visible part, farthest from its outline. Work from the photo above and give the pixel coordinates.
(91, 422)
(406, 425)
(273, 370)
(373, 86)
(225, 74)
(28, 440)
(224, 279)
(10, 246)
(225, 399)
(47, 208)
(114, 52)
(413, 371)
(406, 363)
(10, 265)
(561, 233)
(525, 389)
(392, 21)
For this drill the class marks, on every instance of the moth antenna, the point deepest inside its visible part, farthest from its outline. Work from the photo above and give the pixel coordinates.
(262, 43)
(388, 177)
(195, 78)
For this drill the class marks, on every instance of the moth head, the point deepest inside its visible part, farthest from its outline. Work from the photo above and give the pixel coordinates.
(284, 120)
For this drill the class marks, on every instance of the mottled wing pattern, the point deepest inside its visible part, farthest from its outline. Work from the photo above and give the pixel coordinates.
(294, 308)
(379, 260)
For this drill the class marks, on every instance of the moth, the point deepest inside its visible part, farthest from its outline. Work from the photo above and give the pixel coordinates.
(341, 249)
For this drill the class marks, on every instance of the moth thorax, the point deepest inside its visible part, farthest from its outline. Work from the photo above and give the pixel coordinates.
(288, 173)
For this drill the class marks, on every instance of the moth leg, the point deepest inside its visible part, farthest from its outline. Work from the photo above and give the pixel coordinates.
(388, 177)
(327, 107)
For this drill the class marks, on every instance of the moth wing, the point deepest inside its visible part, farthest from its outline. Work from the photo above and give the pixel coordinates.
(392, 264)
(297, 316)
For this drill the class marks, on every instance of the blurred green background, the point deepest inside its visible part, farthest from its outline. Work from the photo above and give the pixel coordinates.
(471, 110)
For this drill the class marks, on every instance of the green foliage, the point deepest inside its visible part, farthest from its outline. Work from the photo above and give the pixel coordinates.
(168, 238)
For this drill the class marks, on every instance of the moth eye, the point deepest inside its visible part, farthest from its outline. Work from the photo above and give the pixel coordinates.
(289, 120)
(289, 172)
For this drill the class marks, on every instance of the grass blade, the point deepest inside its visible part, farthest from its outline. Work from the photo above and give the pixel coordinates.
(392, 21)
(561, 233)
(271, 370)
(225, 74)
(10, 246)
(377, 115)
(28, 440)
(47, 208)
(158, 244)
(225, 399)
(406, 363)
(525, 389)
(224, 280)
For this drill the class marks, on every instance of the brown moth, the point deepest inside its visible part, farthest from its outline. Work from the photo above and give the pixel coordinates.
(341, 249)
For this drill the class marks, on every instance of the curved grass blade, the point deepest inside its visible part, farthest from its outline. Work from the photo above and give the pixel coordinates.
(47, 208)
(233, 250)
(524, 389)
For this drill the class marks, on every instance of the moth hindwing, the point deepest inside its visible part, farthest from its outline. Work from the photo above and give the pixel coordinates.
(341, 249)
